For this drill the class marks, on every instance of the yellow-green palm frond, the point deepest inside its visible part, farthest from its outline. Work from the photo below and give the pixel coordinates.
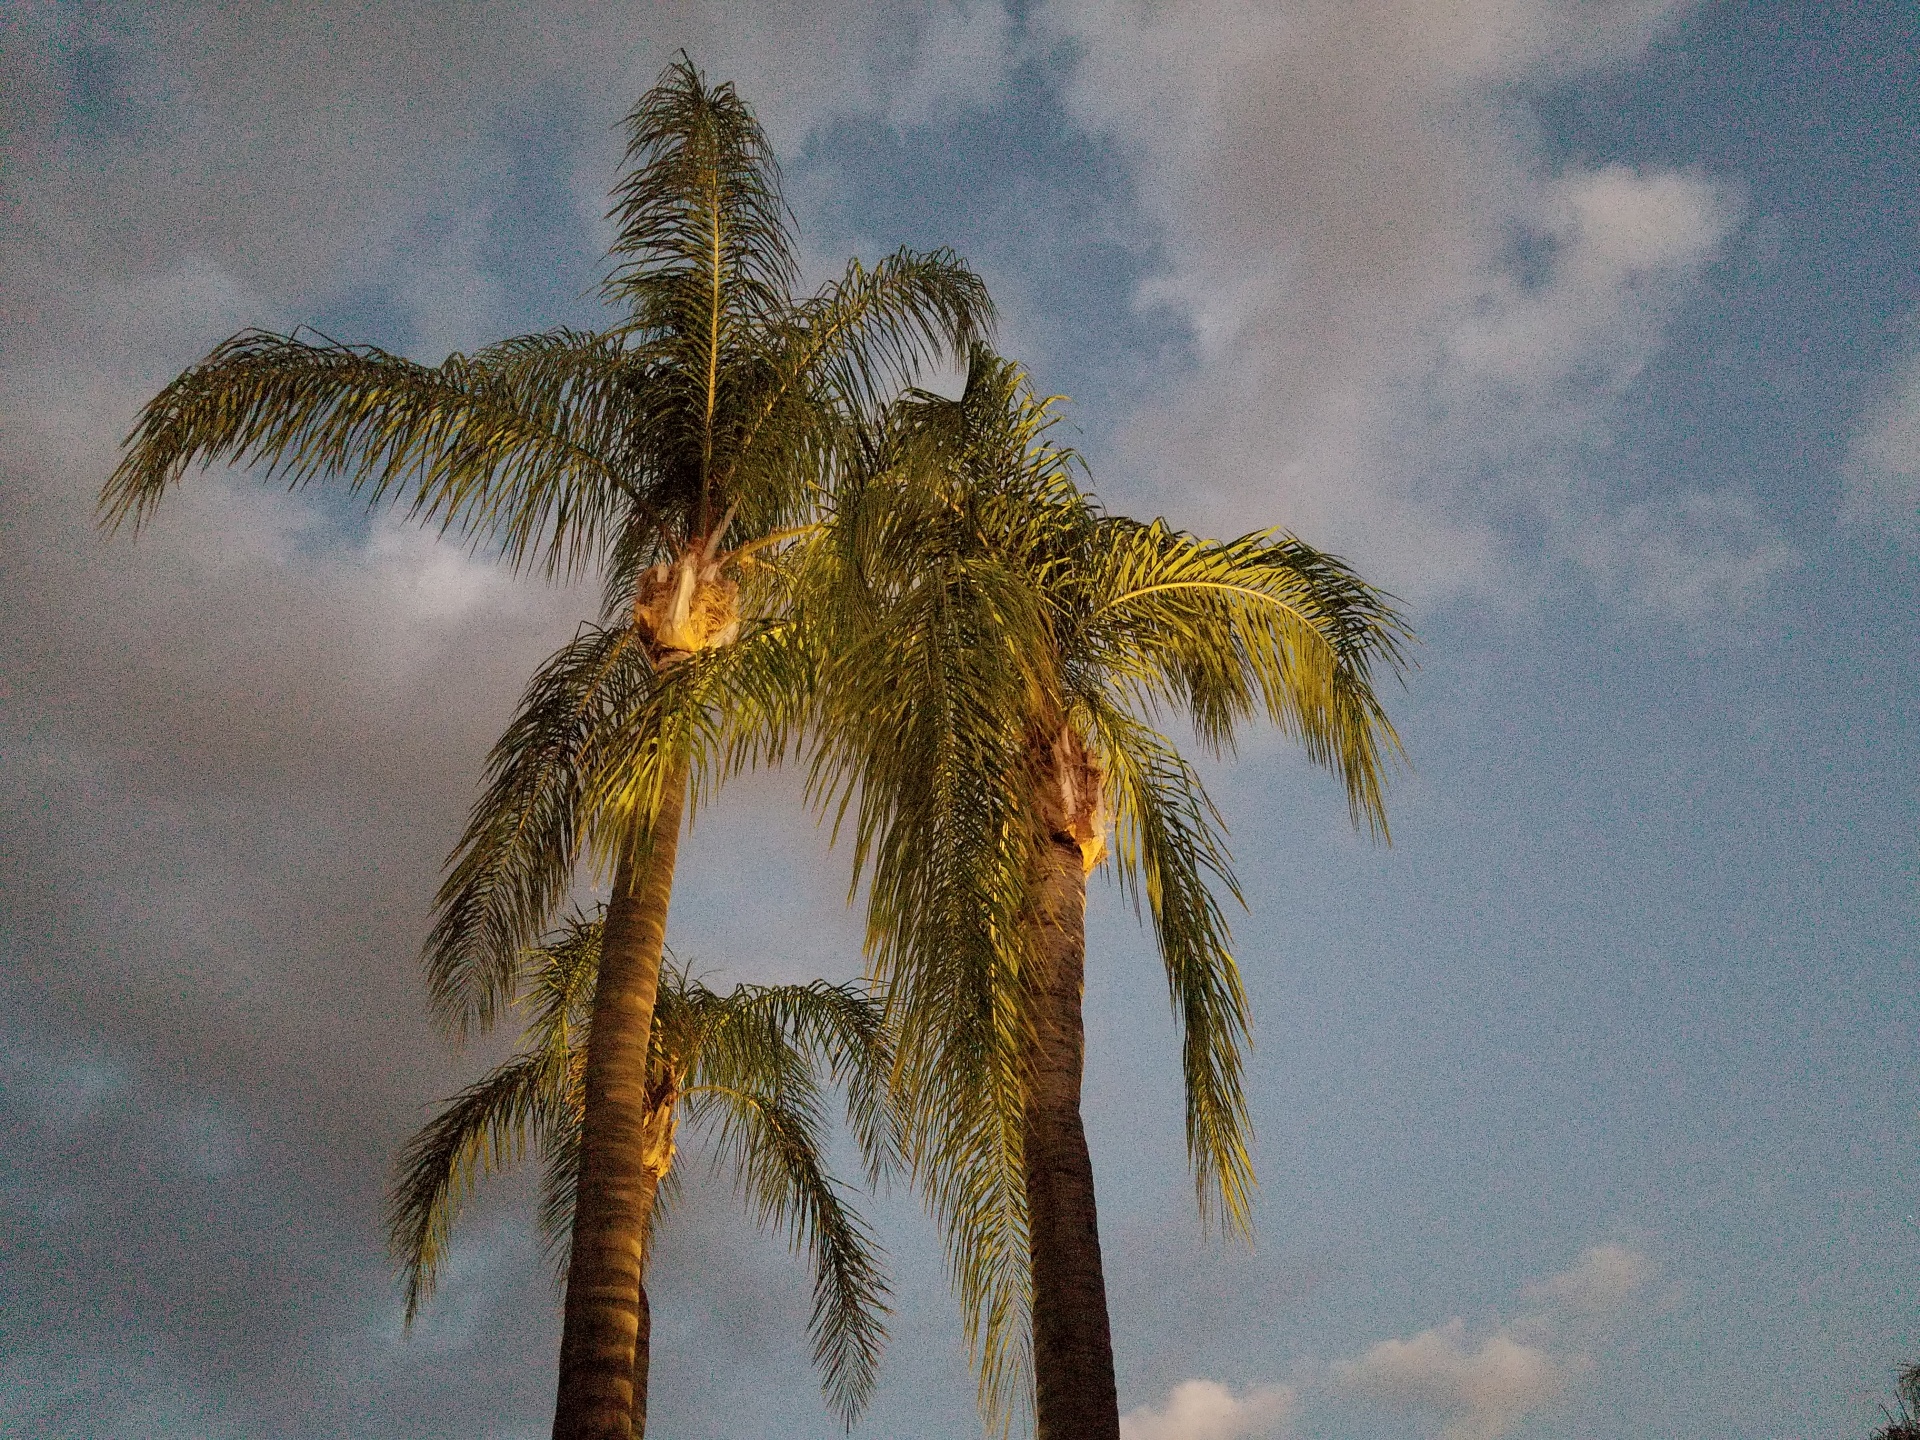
(483, 1129)
(515, 446)
(1169, 850)
(1214, 630)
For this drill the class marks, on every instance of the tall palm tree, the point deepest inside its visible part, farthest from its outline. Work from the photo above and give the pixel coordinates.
(994, 651)
(745, 1068)
(665, 451)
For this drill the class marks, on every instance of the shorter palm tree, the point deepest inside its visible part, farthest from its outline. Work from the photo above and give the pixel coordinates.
(746, 1068)
(1906, 1424)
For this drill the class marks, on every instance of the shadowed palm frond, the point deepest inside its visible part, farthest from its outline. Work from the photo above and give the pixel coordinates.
(484, 1128)
(753, 1086)
(699, 214)
(749, 1067)
(515, 862)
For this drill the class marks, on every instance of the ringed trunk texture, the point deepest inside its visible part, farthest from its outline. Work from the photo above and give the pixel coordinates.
(1074, 1393)
(642, 1365)
(606, 1313)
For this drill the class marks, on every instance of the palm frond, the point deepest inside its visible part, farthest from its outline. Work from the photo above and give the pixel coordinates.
(753, 1085)
(1214, 629)
(513, 446)
(515, 861)
(751, 1066)
(483, 1129)
(700, 211)
(1169, 848)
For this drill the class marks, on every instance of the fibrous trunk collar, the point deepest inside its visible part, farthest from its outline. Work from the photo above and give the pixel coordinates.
(689, 605)
(1073, 795)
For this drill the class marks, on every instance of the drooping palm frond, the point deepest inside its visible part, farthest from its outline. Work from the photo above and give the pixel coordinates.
(484, 1128)
(753, 1085)
(516, 444)
(1215, 629)
(750, 1068)
(1168, 847)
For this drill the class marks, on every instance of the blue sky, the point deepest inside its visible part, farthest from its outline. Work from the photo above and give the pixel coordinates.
(1587, 1109)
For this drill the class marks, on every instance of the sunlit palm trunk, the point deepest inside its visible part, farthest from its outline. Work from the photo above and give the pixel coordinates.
(1074, 1392)
(604, 1316)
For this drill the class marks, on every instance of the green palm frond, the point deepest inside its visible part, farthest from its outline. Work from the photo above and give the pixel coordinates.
(484, 1128)
(494, 442)
(1215, 629)
(699, 214)
(750, 1068)
(1168, 847)
(874, 330)
(515, 862)
(579, 770)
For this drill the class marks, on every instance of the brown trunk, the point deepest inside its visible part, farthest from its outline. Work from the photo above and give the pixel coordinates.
(642, 1364)
(604, 1318)
(1074, 1392)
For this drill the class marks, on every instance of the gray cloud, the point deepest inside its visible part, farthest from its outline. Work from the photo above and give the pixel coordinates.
(233, 754)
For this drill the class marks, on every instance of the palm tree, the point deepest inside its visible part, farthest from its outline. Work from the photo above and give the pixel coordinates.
(993, 653)
(664, 451)
(1906, 1424)
(744, 1067)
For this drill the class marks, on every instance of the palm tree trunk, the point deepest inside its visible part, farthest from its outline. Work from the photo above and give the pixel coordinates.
(614, 1203)
(1074, 1393)
(642, 1366)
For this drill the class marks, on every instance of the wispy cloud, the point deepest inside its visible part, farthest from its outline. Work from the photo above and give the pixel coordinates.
(1882, 470)
(1410, 327)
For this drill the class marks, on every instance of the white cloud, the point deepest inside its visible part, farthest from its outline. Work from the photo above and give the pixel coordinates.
(1408, 327)
(1882, 470)
(1207, 1410)
(1604, 1281)
(1485, 1390)
(1620, 241)
(1480, 1387)
(1693, 557)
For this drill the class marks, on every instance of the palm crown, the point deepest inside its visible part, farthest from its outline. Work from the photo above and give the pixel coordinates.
(744, 1069)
